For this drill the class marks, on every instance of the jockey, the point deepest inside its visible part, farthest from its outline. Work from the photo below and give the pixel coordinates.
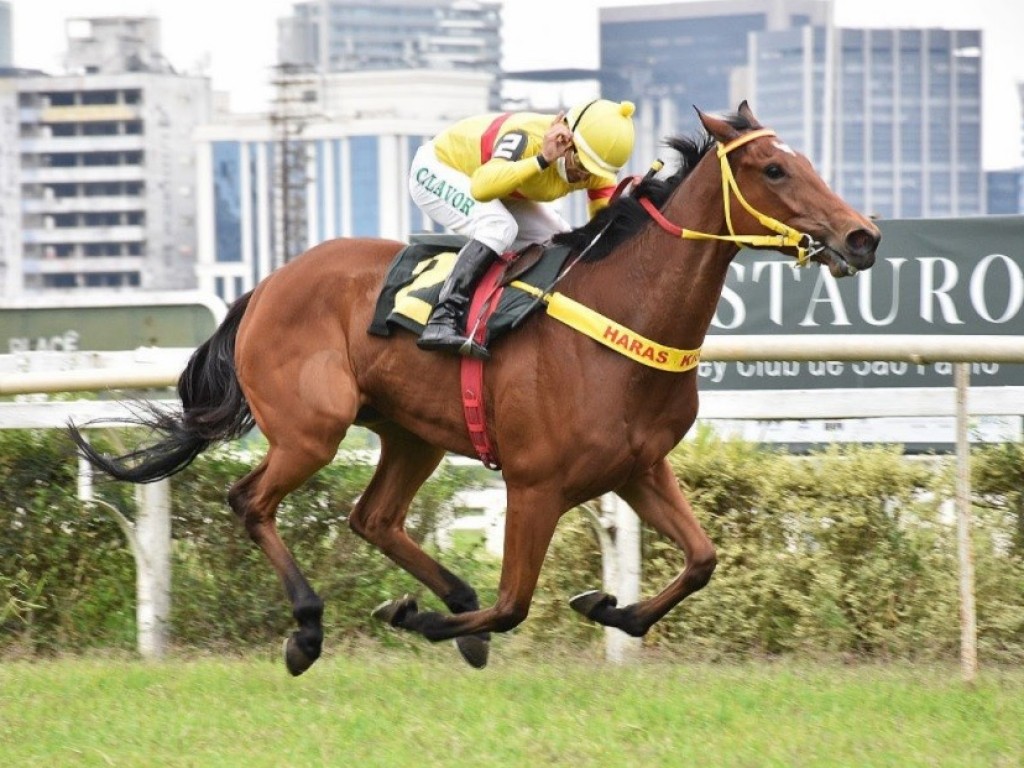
(489, 178)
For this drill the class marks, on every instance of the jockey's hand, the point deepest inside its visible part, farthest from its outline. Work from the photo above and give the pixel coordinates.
(557, 139)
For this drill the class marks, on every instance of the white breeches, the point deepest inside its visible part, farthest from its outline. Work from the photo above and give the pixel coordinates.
(442, 193)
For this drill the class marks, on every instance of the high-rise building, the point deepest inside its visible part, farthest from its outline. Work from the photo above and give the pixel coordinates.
(1005, 188)
(364, 35)
(345, 172)
(1005, 191)
(672, 57)
(105, 174)
(898, 132)
(10, 248)
(6, 49)
(114, 45)
(10, 195)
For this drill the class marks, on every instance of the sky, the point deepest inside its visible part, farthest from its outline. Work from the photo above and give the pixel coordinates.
(538, 34)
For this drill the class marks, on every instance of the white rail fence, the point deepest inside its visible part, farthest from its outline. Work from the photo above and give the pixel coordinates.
(37, 373)
(41, 372)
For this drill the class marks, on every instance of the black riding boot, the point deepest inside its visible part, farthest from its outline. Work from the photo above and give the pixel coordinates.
(444, 330)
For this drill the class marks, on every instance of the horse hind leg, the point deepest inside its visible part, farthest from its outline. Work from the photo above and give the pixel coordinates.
(379, 517)
(656, 498)
(304, 405)
(255, 499)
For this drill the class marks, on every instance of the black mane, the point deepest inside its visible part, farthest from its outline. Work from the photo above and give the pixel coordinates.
(624, 217)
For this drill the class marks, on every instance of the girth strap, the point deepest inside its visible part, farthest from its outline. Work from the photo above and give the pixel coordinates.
(482, 305)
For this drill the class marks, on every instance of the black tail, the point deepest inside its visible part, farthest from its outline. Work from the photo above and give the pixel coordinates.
(213, 410)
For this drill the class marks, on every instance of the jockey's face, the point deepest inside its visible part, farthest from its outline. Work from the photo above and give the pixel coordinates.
(574, 170)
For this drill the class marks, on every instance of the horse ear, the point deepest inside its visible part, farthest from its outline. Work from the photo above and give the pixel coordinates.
(748, 114)
(717, 127)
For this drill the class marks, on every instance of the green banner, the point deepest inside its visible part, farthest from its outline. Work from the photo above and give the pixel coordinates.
(939, 277)
(83, 323)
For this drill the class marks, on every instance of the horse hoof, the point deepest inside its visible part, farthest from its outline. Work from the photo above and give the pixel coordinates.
(394, 612)
(589, 603)
(474, 649)
(295, 658)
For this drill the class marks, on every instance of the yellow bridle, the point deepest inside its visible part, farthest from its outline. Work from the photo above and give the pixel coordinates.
(785, 235)
(627, 342)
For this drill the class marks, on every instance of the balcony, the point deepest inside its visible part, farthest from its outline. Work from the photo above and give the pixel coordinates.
(59, 235)
(83, 204)
(82, 265)
(81, 174)
(89, 113)
(79, 113)
(52, 144)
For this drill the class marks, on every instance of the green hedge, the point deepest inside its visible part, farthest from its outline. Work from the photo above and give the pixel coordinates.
(850, 552)
(65, 577)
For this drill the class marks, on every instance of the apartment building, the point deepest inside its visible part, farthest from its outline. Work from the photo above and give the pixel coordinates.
(266, 191)
(104, 175)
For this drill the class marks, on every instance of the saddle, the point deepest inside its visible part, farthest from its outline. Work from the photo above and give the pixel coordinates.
(504, 297)
(414, 279)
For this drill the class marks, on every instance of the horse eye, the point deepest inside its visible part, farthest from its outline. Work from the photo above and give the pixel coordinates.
(774, 172)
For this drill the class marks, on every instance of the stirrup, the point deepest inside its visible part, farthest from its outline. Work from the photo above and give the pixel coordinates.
(454, 344)
(471, 348)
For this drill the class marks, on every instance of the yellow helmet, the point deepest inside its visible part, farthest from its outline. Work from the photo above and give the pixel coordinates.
(602, 131)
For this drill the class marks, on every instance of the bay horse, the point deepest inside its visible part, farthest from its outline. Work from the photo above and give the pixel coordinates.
(570, 418)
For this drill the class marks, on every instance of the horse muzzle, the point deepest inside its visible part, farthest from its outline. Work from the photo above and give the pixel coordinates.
(855, 254)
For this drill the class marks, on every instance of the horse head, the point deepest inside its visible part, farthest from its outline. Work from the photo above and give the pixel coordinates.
(772, 184)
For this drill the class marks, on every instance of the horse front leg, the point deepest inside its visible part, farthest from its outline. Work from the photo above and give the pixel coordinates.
(657, 499)
(530, 521)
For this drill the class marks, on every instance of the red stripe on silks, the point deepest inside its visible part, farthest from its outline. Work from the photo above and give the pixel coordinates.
(487, 144)
(600, 194)
(489, 136)
(482, 306)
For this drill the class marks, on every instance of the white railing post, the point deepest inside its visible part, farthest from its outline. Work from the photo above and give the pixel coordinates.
(153, 574)
(149, 539)
(965, 555)
(620, 647)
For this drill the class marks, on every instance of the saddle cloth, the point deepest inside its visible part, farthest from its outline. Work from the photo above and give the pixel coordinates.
(414, 279)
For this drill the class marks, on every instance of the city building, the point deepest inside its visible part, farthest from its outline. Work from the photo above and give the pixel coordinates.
(10, 203)
(671, 57)
(10, 194)
(898, 133)
(6, 38)
(105, 175)
(1005, 188)
(366, 35)
(334, 163)
(1005, 191)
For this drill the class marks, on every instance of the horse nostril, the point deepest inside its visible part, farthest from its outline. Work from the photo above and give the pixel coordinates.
(863, 242)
